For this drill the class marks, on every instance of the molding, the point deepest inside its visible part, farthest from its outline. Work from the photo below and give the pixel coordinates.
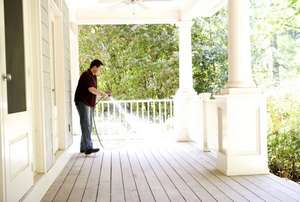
(38, 93)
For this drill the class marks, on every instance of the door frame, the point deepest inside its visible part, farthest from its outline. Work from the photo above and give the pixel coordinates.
(56, 12)
(39, 144)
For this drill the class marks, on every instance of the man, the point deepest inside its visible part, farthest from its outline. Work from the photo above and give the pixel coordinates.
(85, 101)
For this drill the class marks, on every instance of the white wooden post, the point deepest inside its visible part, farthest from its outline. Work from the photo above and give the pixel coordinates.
(241, 109)
(186, 101)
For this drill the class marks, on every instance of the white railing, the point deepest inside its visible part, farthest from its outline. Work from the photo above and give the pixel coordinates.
(128, 118)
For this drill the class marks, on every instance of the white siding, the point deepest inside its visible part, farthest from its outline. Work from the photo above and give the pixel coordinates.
(47, 82)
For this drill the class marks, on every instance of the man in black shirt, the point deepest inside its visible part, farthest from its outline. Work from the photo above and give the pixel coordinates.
(85, 101)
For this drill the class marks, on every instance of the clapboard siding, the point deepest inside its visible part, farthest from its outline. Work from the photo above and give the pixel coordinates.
(46, 82)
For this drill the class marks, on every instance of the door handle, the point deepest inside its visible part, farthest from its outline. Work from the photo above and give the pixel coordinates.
(7, 77)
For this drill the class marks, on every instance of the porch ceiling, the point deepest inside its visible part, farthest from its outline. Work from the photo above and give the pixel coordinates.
(140, 11)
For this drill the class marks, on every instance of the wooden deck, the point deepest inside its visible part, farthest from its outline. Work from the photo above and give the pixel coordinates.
(178, 172)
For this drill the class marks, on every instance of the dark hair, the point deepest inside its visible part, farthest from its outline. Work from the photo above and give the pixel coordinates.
(96, 63)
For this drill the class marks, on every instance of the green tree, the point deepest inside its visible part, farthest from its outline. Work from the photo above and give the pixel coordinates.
(210, 63)
(141, 61)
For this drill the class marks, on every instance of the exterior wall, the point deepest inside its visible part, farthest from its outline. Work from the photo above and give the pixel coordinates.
(46, 82)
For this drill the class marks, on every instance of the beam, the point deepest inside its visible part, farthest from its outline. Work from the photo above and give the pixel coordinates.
(201, 8)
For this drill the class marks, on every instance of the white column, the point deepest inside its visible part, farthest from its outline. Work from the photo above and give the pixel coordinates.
(185, 56)
(242, 131)
(187, 103)
(240, 74)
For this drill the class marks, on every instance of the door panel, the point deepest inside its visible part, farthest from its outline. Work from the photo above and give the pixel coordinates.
(15, 110)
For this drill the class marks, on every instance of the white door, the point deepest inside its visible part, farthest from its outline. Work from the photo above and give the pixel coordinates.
(53, 63)
(15, 102)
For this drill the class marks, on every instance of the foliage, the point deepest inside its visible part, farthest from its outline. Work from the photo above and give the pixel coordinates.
(284, 136)
(209, 41)
(275, 41)
(141, 61)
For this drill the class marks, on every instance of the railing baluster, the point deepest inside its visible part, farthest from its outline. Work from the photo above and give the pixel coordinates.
(159, 110)
(137, 109)
(148, 111)
(154, 111)
(165, 109)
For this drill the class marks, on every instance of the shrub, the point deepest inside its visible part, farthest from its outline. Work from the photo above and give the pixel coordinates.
(284, 136)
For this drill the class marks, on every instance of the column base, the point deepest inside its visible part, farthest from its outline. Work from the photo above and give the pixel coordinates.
(242, 133)
(187, 112)
(242, 164)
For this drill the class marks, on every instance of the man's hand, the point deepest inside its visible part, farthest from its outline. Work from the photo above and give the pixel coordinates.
(108, 93)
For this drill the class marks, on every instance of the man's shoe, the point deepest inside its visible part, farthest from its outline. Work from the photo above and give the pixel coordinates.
(89, 151)
(82, 151)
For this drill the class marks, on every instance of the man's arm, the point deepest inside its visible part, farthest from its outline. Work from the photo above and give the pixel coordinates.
(95, 91)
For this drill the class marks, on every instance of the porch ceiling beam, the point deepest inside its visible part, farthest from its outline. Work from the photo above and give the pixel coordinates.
(201, 8)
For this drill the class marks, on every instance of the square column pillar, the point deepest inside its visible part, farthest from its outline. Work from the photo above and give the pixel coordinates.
(187, 103)
(242, 123)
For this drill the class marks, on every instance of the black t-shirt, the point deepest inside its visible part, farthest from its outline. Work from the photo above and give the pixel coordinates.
(82, 94)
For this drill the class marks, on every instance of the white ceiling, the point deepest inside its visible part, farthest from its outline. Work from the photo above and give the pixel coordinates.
(140, 11)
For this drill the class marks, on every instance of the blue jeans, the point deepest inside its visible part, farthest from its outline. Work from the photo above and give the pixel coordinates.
(86, 114)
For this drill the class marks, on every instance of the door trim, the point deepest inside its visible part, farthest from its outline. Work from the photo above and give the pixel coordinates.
(38, 132)
(56, 12)
(2, 104)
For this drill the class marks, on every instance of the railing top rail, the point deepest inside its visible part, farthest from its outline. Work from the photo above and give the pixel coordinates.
(136, 101)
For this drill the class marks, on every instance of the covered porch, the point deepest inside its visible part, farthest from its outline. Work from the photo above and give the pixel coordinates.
(216, 149)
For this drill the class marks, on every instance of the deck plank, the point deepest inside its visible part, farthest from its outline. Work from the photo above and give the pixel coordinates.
(104, 189)
(286, 182)
(270, 189)
(169, 186)
(143, 188)
(81, 181)
(54, 188)
(91, 188)
(236, 186)
(206, 189)
(117, 186)
(157, 189)
(211, 178)
(130, 189)
(186, 184)
(66, 188)
(242, 181)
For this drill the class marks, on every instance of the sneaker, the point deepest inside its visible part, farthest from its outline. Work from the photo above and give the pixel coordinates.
(89, 151)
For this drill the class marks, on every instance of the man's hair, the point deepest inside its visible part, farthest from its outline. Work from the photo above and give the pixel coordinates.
(96, 63)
